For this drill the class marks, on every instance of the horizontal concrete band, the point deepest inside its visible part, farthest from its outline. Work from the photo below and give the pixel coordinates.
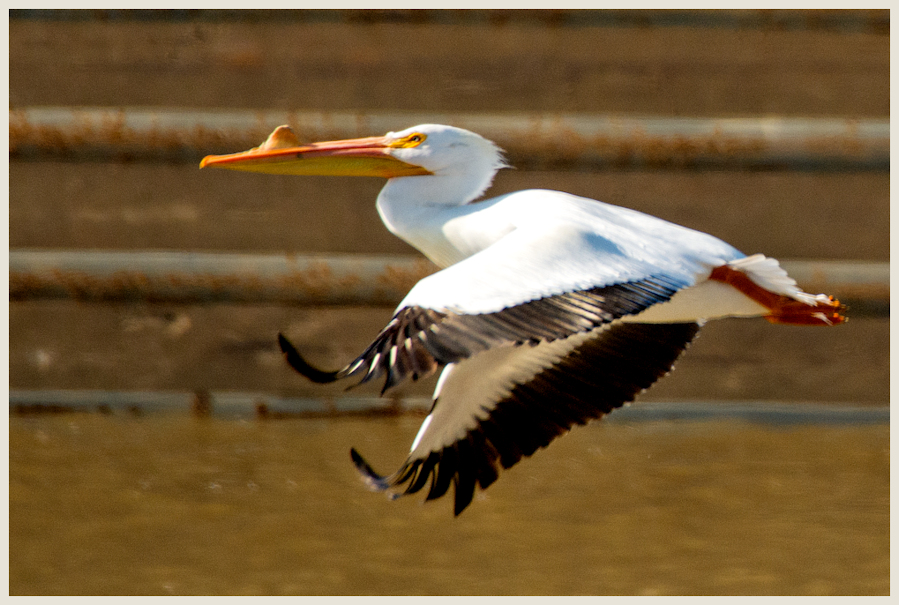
(202, 277)
(531, 140)
(262, 405)
(195, 277)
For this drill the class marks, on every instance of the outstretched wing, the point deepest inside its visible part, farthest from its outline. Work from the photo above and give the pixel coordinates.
(526, 288)
(504, 404)
(418, 340)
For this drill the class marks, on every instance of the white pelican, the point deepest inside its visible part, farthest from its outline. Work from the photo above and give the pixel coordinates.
(549, 309)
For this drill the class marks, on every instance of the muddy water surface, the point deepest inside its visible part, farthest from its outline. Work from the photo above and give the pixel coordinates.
(169, 504)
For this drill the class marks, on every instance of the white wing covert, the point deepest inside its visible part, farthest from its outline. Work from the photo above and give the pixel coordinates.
(504, 301)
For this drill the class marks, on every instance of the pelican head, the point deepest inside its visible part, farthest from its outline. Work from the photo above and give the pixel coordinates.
(446, 150)
(461, 164)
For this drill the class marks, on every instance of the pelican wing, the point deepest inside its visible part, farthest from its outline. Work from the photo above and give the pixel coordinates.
(504, 404)
(418, 340)
(526, 288)
(548, 259)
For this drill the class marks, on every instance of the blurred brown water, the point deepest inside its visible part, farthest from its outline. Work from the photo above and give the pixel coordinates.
(167, 504)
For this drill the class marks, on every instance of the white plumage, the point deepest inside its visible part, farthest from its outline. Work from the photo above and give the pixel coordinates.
(550, 309)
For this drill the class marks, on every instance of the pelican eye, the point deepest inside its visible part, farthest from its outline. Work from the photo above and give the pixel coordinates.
(413, 140)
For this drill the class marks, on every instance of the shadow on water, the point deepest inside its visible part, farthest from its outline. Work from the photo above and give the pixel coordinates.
(165, 504)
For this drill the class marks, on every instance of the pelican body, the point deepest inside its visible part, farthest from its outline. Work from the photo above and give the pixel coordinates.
(549, 310)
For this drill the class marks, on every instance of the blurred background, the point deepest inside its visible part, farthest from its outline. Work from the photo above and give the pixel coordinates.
(160, 445)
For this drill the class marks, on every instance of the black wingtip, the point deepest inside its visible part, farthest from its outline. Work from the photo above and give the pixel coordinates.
(299, 364)
(373, 480)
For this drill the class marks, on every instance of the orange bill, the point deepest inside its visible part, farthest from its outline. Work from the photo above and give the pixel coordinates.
(282, 154)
